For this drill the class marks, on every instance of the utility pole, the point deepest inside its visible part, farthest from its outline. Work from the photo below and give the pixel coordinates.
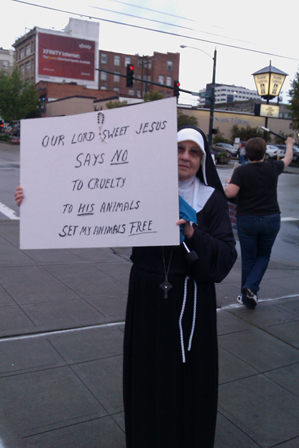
(212, 106)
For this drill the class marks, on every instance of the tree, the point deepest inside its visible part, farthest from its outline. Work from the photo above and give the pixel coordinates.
(294, 102)
(152, 96)
(219, 138)
(247, 133)
(186, 120)
(114, 104)
(18, 99)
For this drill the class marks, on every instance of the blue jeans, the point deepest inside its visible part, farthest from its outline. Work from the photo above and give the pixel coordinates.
(242, 160)
(256, 235)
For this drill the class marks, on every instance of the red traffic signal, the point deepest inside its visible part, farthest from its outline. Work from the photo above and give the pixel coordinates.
(176, 89)
(130, 75)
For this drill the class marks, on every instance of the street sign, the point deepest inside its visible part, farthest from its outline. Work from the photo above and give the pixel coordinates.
(201, 94)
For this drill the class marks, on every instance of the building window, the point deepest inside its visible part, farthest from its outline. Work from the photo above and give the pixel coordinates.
(22, 70)
(103, 88)
(5, 64)
(168, 94)
(131, 92)
(22, 53)
(161, 79)
(149, 78)
(28, 50)
(116, 90)
(103, 76)
(169, 65)
(116, 78)
(169, 81)
(116, 60)
(127, 61)
(149, 64)
(103, 58)
(138, 93)
(27, 67)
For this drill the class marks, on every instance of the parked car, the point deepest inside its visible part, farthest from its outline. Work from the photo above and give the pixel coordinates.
(221, 146)
(295, 153)
(283, 148)
(272, 152)
(16, 130)
(220, 155)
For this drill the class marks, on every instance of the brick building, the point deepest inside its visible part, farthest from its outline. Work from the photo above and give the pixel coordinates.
(64, 64)
(6, 60)
(25, 48)
(160, 68)
(68, 56)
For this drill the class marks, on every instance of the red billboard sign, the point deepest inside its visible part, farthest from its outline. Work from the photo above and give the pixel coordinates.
(66, 57)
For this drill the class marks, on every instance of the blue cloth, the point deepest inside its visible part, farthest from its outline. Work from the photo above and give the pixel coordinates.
(257, 235)
(186, 212)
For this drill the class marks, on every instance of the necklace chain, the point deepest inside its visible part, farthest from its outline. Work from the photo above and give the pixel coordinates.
(166, 286)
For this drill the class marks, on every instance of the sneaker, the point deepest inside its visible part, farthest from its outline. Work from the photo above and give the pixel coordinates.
(243, 301)
(240, 300)
(251, 297)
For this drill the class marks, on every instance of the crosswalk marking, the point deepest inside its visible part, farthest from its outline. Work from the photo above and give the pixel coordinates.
(11, 214)
(289, 219)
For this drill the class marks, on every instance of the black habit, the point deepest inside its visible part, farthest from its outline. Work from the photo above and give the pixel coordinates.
(170, 403)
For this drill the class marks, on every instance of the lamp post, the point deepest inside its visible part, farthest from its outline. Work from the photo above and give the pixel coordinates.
(212, 97)
(269, 81)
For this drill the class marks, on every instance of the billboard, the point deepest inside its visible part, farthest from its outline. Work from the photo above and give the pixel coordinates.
(66, 58)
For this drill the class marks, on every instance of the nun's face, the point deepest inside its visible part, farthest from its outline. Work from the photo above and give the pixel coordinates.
(189, 157)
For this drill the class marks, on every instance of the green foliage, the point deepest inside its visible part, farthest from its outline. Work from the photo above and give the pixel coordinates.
(281, 141)
(114, 104)
(5, 137)
(247, 133)
(152, 95)
(218, 138)
(184, 120)
(294, 101)
(17, 98)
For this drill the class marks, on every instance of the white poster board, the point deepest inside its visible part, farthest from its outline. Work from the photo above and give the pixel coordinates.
(101, 179)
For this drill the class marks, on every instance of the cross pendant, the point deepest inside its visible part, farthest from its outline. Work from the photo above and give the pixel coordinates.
(166, 286)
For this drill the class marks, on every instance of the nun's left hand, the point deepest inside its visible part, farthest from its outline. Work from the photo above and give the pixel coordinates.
(188, 229)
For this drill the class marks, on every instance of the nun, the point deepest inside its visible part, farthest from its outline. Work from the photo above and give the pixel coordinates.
(170, 374)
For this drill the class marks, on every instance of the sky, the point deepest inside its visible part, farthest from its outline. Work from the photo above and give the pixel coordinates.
(261, 31)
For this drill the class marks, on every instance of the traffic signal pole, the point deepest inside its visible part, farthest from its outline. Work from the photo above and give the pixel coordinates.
(142, 80)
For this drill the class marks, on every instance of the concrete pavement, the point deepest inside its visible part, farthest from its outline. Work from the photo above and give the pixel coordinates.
(61, 330)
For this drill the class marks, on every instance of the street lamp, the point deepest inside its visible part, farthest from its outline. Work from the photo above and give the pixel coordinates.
(269, 81)
(212, 97)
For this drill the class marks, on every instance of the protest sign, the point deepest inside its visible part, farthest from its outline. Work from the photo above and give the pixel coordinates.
(101, 179)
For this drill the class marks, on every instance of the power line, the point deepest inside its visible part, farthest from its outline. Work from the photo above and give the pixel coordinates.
(158, 21)
(157, 31)
(143, 18)
(171, 15)
(153, 10)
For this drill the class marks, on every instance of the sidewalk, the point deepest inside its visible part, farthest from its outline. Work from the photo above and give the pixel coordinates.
(61, 330)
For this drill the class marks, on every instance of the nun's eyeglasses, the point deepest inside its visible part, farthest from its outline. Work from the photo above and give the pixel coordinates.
(193, 152)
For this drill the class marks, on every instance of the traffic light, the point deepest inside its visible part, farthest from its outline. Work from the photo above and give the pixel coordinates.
(130, 75)
(176, 89)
